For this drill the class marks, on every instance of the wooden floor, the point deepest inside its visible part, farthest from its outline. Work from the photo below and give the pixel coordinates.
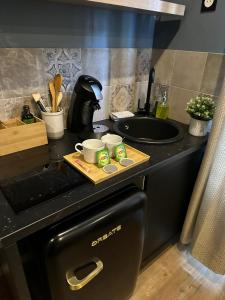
(176, 275)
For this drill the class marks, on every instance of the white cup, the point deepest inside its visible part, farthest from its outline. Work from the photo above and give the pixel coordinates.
(111, 141)
(89, 149)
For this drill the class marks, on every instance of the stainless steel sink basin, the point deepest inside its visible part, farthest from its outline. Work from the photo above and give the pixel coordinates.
(149, 130)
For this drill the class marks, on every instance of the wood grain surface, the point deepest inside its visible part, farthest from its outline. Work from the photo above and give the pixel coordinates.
(17, 136)
(97, 175)
(176, 275)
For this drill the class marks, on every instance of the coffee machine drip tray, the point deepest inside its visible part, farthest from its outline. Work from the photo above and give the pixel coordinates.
(100, 130)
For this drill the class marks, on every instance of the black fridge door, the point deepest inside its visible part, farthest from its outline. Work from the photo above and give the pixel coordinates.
(99, 257)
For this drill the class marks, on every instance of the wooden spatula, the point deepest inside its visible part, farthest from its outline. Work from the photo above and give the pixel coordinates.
(53, 94)
(58, 79)
(59, 99)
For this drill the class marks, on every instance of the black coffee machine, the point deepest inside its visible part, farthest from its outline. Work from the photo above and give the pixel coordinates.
(84, 102)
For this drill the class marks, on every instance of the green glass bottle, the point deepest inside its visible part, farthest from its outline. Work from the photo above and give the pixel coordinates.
(162, 111)
(27, 116)
(156, 98)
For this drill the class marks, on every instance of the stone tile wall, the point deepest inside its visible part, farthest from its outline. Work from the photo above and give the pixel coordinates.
(188, 74)
(122, 72)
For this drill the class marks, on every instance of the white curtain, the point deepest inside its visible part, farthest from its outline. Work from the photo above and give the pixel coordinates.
(204, 225)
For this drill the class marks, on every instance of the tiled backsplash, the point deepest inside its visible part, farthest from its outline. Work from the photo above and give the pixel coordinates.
(25, 71)
(122, 72)
(188, 74)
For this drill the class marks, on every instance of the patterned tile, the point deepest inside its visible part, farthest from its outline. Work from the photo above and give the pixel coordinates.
(96, 62)
(13, 107)
(140, 94)
(24, 71)
(21, 72)
(64, 61)
(103, 113)
(122, 98)
(123, 66)
(65, 104)
(143, 64)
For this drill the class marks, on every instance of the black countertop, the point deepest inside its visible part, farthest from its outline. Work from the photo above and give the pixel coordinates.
(14, 227)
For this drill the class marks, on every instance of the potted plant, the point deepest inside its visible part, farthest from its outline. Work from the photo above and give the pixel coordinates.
(201, 109)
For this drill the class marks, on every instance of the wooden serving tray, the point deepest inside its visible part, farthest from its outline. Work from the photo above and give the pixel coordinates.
(97, 175)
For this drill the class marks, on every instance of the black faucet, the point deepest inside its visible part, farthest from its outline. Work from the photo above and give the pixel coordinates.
(151, 80)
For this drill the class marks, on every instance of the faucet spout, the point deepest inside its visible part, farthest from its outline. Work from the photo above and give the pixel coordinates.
(150, 83)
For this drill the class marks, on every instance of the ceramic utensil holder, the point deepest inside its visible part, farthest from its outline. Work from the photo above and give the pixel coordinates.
(54, 124)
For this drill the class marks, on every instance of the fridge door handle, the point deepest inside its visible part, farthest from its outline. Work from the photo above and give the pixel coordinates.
(75, 284)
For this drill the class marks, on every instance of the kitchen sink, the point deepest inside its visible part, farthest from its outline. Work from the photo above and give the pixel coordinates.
(149, 130)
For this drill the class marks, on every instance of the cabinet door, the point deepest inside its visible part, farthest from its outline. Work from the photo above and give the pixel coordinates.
(169, 190)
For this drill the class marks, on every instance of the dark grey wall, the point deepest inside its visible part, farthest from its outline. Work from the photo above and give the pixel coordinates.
(38, 23)
(196, 31)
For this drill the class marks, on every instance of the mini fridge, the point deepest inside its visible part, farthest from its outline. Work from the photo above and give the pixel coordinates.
(95, 255)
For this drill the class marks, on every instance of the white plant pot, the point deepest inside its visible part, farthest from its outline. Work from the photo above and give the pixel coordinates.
(199, 127)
